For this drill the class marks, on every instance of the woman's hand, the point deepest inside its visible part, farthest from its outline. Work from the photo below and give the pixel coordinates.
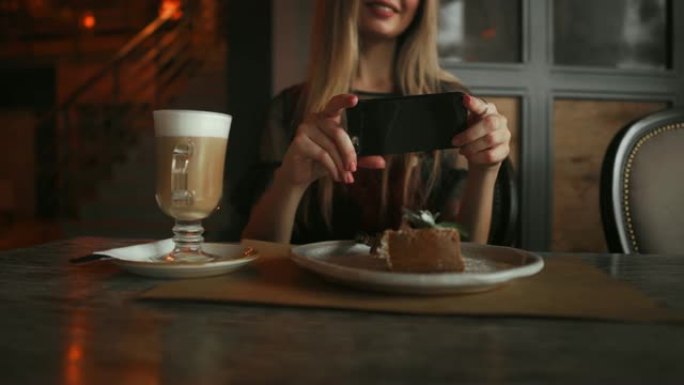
(321, 146)
(485, 143)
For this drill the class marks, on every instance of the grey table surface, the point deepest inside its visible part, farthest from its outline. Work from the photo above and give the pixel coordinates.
(67, 324)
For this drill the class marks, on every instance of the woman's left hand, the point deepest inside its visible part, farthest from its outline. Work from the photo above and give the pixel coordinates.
(485, 143)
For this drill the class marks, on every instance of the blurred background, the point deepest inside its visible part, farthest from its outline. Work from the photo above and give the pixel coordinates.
(80, 79)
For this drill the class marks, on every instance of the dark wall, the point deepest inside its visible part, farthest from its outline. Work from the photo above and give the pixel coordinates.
(248, 29)
(33, 87)
(27, 86)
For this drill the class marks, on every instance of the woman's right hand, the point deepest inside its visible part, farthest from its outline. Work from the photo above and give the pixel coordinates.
(322, 146)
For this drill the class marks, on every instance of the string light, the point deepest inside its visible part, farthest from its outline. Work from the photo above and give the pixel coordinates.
(171, 7)
(88, 20)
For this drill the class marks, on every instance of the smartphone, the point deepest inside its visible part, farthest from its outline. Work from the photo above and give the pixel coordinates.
(398, 125)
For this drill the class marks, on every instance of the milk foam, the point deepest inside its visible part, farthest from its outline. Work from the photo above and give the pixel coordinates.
(192, 123)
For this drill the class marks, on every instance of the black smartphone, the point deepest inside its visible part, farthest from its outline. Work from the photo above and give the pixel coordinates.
(398, 125)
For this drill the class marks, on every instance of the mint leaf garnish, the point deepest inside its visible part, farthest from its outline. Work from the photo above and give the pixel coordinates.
(424, 219)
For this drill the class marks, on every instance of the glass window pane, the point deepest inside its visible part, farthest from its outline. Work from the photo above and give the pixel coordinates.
(480, 30)
(582, 131)
(612, 33)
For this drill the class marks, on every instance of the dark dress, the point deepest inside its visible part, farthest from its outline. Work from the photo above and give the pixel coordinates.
(356, 206)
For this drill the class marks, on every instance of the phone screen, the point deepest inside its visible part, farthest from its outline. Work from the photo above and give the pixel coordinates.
(404, 124)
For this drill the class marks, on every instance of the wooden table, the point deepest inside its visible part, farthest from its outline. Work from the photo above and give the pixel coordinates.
(66, 324)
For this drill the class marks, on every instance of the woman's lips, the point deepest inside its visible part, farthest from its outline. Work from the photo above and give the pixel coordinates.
(381, 10)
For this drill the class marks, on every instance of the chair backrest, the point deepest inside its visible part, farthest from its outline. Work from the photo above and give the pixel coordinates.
(642, 186)
(505, 208)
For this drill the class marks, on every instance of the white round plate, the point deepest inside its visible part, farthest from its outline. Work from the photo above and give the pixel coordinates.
(487, 267)
(233, 256)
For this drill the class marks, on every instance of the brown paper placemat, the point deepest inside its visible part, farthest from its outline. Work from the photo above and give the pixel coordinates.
(567, 287)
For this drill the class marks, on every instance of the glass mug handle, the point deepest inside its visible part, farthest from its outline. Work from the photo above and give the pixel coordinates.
(180, 195)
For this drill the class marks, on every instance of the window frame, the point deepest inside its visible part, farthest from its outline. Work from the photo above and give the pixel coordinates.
(538, 82)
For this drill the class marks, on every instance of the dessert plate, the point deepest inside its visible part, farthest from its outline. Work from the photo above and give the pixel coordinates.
(348, 262)
(140, 259)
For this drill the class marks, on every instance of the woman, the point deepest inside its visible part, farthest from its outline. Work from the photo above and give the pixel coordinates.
(320, 189)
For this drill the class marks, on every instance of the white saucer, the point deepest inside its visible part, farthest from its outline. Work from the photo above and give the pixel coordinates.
(143, 260)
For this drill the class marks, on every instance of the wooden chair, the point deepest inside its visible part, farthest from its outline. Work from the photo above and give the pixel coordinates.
(505, 208)
(642, 186)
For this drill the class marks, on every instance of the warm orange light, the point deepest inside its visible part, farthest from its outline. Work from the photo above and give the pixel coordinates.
(488, 33)
(171, 8)
(74, 353)
(73, 358)
(88, 20)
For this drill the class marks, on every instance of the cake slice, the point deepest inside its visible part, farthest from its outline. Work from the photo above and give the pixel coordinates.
(422, 246)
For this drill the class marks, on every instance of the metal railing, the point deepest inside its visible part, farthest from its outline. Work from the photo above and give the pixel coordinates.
(80, 139)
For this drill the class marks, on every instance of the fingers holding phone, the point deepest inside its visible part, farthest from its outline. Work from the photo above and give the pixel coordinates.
(321, 146)
(485, 143)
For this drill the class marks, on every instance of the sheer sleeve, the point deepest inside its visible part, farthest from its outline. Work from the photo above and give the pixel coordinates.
(280, 126)
(446, 195)
(275, 139)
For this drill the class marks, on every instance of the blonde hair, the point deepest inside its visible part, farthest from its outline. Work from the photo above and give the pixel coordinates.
(333, 64)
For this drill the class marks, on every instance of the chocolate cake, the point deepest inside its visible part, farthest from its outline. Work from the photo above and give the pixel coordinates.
(422, 246)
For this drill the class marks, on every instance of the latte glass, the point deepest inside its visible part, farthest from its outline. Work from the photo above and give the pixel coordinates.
(191, 149)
